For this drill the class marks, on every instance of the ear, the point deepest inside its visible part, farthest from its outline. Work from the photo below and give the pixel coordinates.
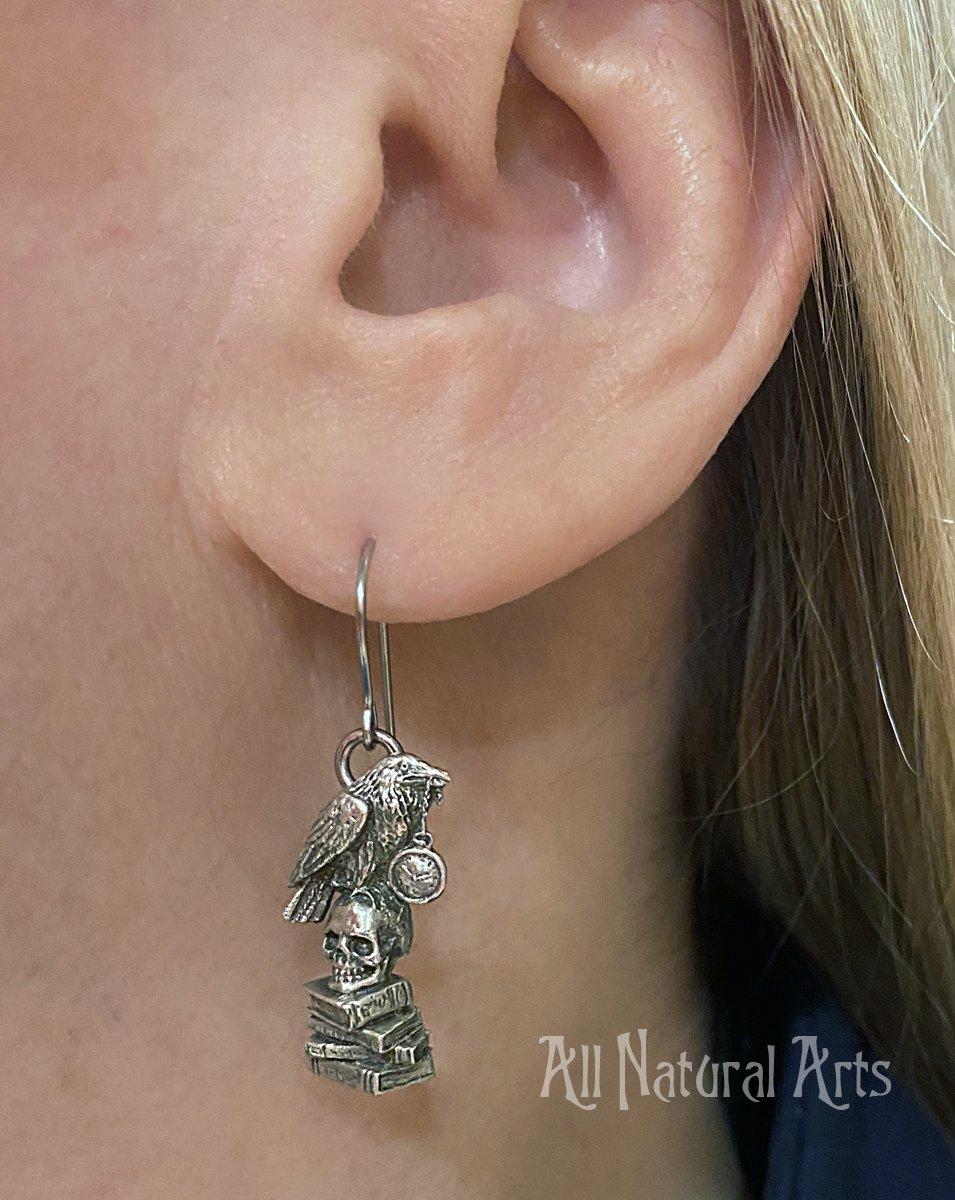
(586, 256)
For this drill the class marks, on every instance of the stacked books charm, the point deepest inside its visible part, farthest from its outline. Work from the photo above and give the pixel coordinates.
(374, 1040)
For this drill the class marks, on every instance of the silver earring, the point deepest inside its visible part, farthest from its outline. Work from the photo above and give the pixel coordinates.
(367, 859)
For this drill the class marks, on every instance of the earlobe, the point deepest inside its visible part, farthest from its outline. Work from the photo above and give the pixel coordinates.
(518, 371)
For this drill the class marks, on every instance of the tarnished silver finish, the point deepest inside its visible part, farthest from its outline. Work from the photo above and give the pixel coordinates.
(418, 874)
(350, 743)
(355, 837)
(365, 1030)
(366, 859)
(367, 930)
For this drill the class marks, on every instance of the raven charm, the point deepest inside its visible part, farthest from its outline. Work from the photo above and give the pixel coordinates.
(366, 859)
(358, 835)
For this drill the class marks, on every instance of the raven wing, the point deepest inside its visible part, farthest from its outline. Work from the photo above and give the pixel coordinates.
(334, 831)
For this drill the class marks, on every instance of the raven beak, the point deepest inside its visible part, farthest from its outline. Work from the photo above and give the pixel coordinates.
(435, 786)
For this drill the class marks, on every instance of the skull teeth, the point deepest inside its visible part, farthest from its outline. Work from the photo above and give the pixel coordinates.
(348, 976)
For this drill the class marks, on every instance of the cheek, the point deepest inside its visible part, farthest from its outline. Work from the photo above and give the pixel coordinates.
(140, 145)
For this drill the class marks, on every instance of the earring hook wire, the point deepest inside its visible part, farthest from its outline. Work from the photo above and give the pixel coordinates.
(370, 728)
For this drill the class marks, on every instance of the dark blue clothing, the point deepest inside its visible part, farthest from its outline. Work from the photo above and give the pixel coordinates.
(765, 994)
(879, 1148)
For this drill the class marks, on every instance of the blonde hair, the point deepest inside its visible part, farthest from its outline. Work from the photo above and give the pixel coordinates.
(828, 775)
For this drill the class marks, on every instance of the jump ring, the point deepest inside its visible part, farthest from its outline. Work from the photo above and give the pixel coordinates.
(350, 744)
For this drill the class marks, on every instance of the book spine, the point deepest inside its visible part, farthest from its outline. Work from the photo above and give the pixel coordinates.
(352, 1014)
(373, 1080)
(410, 1030)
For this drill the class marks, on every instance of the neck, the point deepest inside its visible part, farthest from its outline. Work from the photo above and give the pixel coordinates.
(566, 913)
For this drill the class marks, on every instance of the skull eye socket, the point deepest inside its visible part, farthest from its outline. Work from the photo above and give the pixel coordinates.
(362, 946)
(331, 942)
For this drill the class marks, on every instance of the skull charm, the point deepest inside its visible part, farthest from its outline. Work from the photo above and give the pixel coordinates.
(367, 930)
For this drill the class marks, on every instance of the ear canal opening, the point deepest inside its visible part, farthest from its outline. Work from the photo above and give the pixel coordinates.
(554, 228)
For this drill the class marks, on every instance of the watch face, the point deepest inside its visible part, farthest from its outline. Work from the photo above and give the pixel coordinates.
(418, 875)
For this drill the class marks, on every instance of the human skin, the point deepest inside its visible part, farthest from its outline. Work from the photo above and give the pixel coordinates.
(199, 430)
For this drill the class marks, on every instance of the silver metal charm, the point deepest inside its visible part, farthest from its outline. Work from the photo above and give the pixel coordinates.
(418, 874)
(366, 859)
